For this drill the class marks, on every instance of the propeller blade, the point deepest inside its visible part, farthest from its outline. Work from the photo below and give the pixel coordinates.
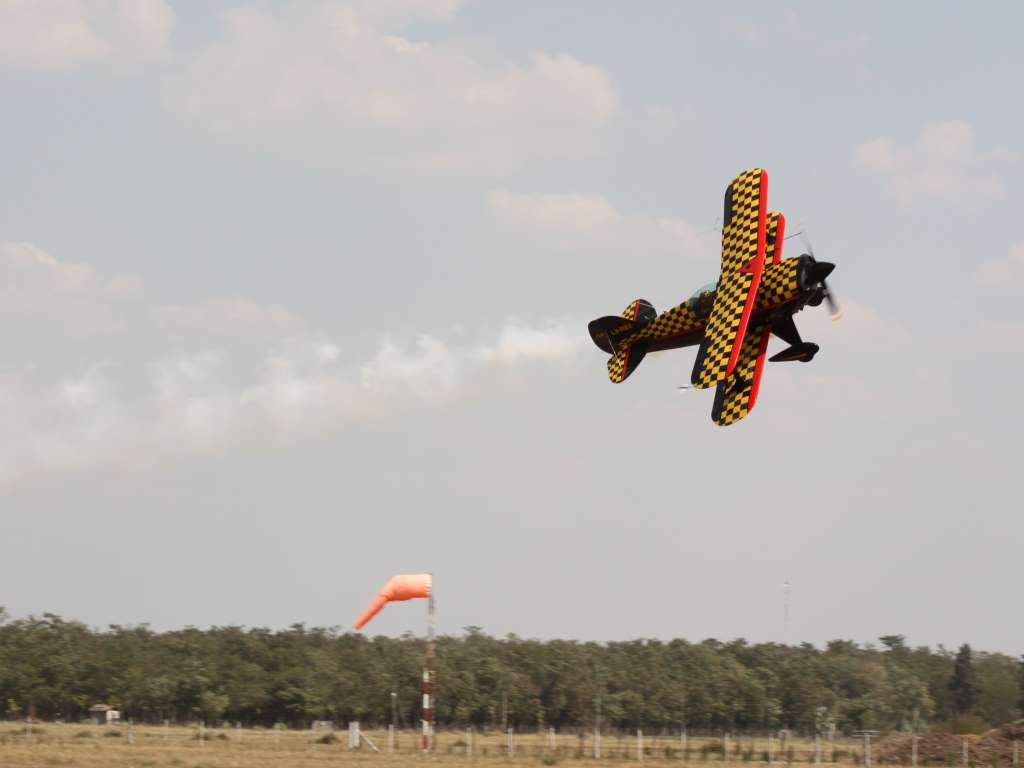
(833, 306)
(807, 244)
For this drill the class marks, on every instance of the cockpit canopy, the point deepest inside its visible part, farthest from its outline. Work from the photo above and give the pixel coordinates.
(703, 298)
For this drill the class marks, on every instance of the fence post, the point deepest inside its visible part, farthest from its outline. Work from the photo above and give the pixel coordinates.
(353, 734)
(1016, 754)
(509, 746)
(639, 745)
(725, 747)
(913, 751)
(963, 749)
(469, 742)
(771, 749)
(167, 727)
(682, 742)
(391, 738)
(817, 749)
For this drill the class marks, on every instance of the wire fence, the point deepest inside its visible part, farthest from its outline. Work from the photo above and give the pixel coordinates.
(241, 746)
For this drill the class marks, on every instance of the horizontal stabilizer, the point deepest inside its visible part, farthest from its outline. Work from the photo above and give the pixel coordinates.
(804, 352)
(609, 332)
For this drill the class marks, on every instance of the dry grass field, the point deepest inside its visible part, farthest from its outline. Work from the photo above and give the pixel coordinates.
(88, 746)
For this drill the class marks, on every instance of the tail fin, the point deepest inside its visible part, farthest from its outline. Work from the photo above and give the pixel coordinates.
(611, 331)
(640, 309)
(617, 337)
(625, 361)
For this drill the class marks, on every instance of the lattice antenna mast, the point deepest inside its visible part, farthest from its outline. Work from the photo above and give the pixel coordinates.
(786, 588)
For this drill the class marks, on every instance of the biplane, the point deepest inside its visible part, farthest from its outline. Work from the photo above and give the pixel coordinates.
(756, 295)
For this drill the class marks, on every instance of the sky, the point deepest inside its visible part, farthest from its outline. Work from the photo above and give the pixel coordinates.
(293, 297)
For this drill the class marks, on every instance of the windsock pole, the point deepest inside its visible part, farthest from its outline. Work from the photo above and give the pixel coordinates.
(410, 586)
(428, 679)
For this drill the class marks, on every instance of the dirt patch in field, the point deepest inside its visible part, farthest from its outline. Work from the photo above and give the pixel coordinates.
(996, 746)
(936, 748)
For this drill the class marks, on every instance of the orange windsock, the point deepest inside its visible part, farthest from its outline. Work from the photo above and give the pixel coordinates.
(402, 587)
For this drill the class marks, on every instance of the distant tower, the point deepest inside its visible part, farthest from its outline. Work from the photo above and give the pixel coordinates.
(785, 610)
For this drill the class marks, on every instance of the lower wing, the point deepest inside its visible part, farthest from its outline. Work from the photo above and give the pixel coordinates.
(736, 395)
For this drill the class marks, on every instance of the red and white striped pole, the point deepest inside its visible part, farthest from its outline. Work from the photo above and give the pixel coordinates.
(428, 679)
(410, 586)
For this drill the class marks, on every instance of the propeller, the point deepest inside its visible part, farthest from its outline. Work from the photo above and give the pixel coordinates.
(833, 306)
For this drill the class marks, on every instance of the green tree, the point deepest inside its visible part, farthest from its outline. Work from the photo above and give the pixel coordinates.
(963, 683)
(261, 676)
(1020, 686)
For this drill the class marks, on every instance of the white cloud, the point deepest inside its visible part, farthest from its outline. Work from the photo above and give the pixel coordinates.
(36, 287)
(942, 165)
(332, 84)
(517, 343)
(429, 372)
(399, 11)
(665, 122)
(573, 213)
(230, 316)
(1004, 275)
(593, 219)
(60, 34)
(179, 381)
(772, 28)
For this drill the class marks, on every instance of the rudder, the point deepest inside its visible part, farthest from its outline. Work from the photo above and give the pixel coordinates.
(640, 309)
(625, 361)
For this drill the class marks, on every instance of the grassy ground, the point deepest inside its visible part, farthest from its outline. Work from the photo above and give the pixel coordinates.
(87, 746)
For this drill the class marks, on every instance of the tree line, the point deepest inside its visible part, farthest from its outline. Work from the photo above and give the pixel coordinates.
(51, 668)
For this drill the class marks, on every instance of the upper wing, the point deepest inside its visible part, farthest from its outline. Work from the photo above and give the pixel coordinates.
(736, 395)
(743, 249)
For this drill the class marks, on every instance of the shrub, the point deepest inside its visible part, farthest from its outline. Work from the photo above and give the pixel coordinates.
(112, 735)
(964, 724)
(327, 738)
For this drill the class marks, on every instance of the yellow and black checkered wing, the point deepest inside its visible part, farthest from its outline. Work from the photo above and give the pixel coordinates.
(736, 395)
(743, 251)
